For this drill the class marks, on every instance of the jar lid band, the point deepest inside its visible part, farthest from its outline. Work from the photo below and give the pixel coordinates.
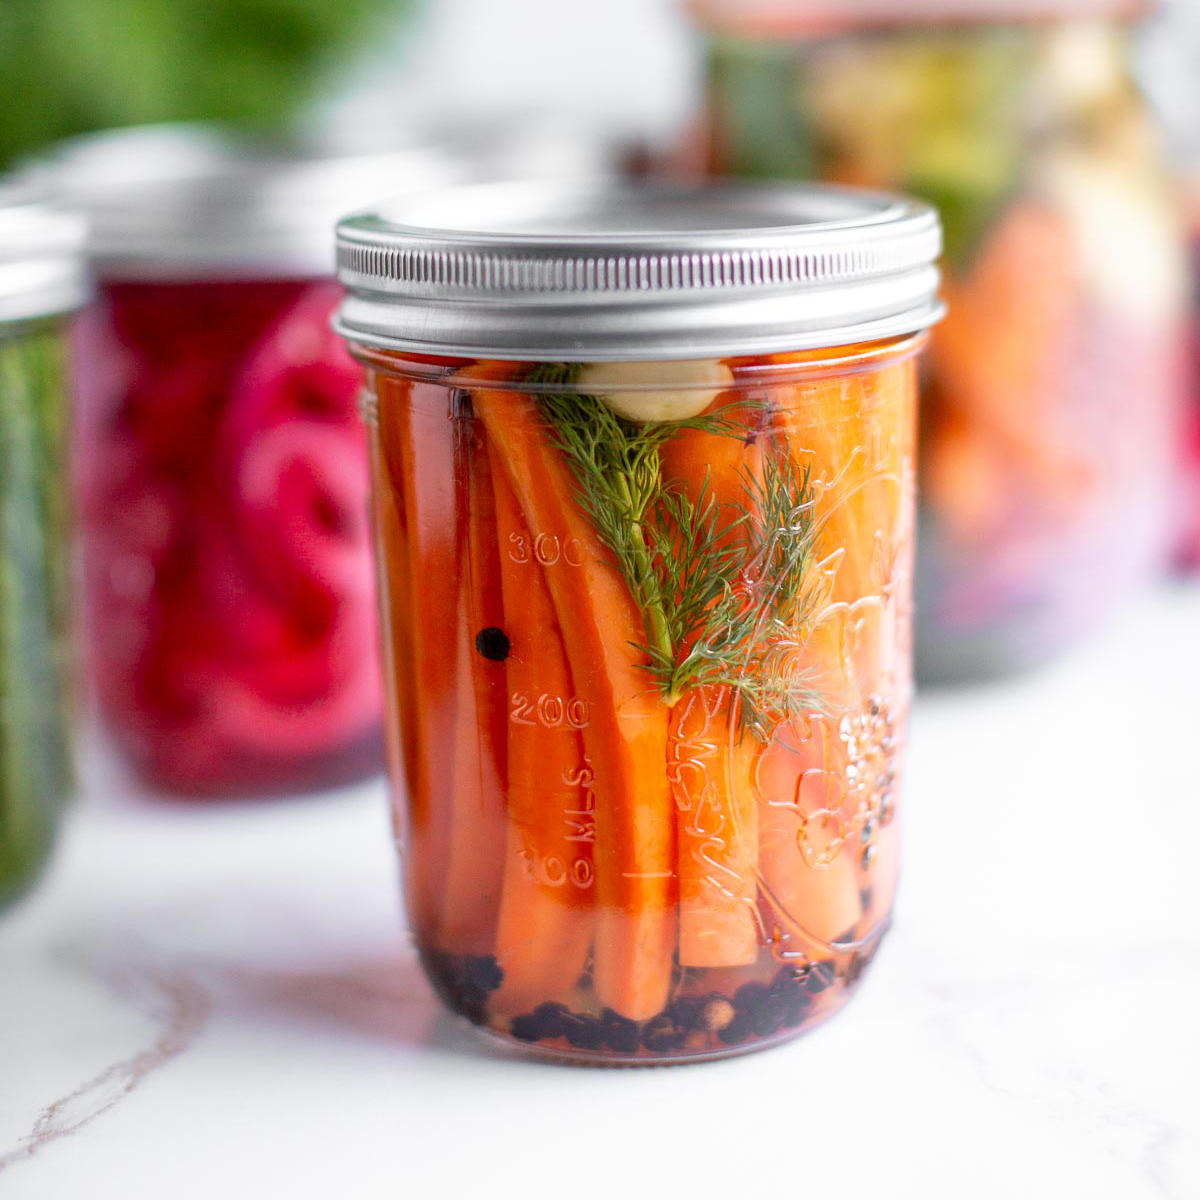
(617, 271)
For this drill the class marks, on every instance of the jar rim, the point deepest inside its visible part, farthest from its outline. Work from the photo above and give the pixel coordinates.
(801, 18)
(750, 370)
(594, 271)
(197, 201)
(42, 270)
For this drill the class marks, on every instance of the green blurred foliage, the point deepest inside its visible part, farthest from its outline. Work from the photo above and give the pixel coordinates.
(70, 66)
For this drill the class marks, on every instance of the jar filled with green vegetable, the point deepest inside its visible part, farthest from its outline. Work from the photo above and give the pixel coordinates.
(1051, 396)
(41, 283)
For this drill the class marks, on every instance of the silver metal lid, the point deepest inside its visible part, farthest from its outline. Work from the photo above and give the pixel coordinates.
(41, 257)
(193, 199)
(600, 271)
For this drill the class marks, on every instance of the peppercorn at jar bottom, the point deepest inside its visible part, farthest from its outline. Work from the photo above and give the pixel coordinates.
(648, 627)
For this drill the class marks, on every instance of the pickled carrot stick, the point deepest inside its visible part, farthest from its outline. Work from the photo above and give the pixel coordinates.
(395, 603)
(420, 518)
(710, 766)
(809, 869)
(545, 925)
(475, 800)
(483, 603)
(625, 722)
(808, 858)
(862, 507)
(709, 759)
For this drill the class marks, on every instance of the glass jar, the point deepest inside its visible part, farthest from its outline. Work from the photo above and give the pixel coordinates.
(645, 535)
(1188, 540)
(41, 283)
(223, 495)
(1050, 403)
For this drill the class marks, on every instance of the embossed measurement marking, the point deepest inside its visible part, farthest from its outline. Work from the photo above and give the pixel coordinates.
(557, 870)
(546, 549)
(549, 711)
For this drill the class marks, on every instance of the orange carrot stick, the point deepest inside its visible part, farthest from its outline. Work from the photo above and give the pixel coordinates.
(710, 769)
(390, 532)
(417, 471)
(624, 721)
(709, 758)
(545, 926)
(474, 860)
(857, 434)
(809, 868)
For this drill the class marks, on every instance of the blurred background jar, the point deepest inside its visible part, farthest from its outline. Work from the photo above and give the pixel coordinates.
(1169, 68)
(41, 284)
(230, 610)
(1051, 405)
(1188, 546)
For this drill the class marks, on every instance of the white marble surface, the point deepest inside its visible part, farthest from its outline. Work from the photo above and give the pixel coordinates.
(219, 1001)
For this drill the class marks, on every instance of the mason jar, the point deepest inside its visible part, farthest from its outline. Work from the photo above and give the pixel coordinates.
(1187, 554)
(1051, 395)
(643, 477)
(41, 285)
(229, 589)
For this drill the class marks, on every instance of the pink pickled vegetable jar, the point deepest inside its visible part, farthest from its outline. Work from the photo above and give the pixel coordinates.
(229, 580)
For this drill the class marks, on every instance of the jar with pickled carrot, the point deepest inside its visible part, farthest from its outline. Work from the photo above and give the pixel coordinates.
(1050, 399)
(643, 478)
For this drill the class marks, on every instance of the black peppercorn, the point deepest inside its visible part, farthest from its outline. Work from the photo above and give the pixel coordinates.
(526, 1028)
(620, 1033)
(583, 1032)
(661, 1034)
(493, 643)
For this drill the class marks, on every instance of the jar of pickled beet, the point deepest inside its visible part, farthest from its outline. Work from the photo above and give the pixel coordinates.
(230, 605)
(643, 478)
(41, 285)
(1050, 400)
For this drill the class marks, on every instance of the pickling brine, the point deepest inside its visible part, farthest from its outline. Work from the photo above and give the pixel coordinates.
(652, 682)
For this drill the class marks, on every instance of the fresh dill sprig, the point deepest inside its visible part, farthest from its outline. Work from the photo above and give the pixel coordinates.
(721, 590)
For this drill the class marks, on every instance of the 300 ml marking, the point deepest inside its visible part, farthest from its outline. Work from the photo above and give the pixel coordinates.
(548, 549)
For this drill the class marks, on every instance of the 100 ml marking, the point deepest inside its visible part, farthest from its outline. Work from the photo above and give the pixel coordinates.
(558, 870)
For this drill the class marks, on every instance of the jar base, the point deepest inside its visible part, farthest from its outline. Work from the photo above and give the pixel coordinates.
(257, 778)
(571, 1057)
(706, 1047)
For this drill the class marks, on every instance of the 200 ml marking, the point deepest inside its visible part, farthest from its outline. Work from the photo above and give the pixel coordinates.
(549, 711)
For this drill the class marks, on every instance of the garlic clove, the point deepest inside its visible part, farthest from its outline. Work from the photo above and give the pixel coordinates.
(660, 391)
